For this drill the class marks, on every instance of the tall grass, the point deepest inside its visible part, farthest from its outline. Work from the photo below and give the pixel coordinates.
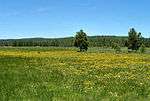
(62, 74)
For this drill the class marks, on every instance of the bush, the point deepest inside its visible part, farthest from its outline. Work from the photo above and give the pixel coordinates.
(116, 47)
(142, 48)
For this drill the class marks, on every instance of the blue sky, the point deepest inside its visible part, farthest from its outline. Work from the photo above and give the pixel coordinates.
(62, 18)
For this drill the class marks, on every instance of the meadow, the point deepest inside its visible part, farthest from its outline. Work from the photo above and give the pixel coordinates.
(63, 74)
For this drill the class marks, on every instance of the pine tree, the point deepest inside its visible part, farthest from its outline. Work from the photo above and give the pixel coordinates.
(134, 42)
(81, 41)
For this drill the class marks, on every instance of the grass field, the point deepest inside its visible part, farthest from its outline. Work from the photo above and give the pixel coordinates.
(63, 74)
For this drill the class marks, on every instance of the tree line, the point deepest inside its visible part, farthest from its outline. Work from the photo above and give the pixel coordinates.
(93, 41)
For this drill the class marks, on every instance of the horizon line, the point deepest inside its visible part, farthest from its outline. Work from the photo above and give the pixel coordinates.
(64, 37)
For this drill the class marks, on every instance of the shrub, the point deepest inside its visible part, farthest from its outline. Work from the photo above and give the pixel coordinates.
(142, 48)
(116, 47)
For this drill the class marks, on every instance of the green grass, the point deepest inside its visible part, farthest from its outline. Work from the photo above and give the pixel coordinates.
(71, 77)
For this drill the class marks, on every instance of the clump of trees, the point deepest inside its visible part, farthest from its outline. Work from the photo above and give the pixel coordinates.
(81, 41)
(134, 40)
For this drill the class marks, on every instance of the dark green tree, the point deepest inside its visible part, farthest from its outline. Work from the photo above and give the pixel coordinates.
(134, 40)
(81, 41)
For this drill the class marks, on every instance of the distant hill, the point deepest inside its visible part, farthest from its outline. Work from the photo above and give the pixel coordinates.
(94, 41)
